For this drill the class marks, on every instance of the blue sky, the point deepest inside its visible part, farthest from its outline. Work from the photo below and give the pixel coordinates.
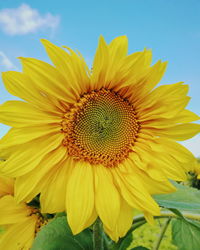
(171, 28)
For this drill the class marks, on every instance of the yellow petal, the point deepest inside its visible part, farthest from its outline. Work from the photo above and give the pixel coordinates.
(180, 132)
(185, 159)
(164, 101)
(91, 219)
(21, 114)
(170, 91)
(130, 71)
(21, 85)
(28, 156)
(140, 163)
(125, 219)
(177, 150)
(80, 196)
(134, 192)
(155, 173)
(154, 186)
(15, 83)
(153, 76)
(80, 69)
(170, 166)
(163, 110)
(160, 160)
(186, 116)
(107, 199)
(124, 222)
(152, 181)
(11, 211)
(183, 116)
(100, 64)
(47, 79)
(72, 67)
(113, 234)
(6, 186)
(149, 218)
(53, 193)
(29, 185)
(27, 134)
(144, 79)
(118, 47)
(22, 235)
(143, 150)
(107, 62)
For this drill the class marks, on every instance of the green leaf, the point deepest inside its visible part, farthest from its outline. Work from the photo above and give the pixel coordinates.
(176, 212)
(60, 214)
(139, 248)
(186, 234)
(123, 243)
(195, 223)
(126, 241)
(185, 199)
(57, 235)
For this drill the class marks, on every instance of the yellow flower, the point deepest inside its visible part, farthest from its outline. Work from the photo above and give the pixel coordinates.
(96, 142)
(20, 222)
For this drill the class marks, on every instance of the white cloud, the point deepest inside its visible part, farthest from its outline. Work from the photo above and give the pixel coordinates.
(5, 62)
(24, 20)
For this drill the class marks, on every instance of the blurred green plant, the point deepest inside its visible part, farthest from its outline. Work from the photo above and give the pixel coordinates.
(147, 235)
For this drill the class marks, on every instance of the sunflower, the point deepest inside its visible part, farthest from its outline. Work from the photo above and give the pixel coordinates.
(96, 143)
(20, 222)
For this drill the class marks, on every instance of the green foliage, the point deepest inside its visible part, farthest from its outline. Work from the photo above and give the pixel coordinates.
(57, 235)
(186, 234)
(184, 199)
(139, 248)
(147, 234)
(124, 243)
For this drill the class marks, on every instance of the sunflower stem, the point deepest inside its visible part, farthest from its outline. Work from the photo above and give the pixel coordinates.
(97, 235)
(162, 232)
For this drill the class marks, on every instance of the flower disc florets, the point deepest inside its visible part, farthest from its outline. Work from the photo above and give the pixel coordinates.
(100, 128)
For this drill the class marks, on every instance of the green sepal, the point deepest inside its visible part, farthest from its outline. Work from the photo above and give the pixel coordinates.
(124, 242)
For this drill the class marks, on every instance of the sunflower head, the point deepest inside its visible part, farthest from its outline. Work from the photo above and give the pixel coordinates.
(96, 143)
(100, 128)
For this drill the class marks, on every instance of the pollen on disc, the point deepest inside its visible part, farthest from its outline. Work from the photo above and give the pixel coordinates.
(101, 128)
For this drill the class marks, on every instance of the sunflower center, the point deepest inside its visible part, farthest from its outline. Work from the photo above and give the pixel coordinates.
(100, 128)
